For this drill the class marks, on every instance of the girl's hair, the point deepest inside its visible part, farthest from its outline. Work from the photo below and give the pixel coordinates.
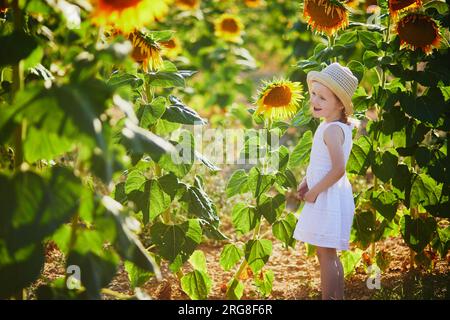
(344, 117)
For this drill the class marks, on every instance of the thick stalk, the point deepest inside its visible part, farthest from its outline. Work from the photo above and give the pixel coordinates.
(17, 85)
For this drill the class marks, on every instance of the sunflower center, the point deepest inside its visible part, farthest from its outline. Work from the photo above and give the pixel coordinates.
(324, 14)
(119, 4)
(419, 31)
(230, 25)
(278, 97)
(400, 4)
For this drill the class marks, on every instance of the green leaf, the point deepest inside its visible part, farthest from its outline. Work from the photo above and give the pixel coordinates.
(235, 289)
(237, 183)
(18, 269)
(197, 284)
(198, 261)
(164, 79)
(244, 218)
(140, 141)
(362, 152)
(271, 207)
(43, 145)
(417, 233)
(385, 203)
(118, 80)
(137, 276)
(229, 256)
(15, 47)
(97, 271)
(126, 241)
(37, 206)
(180, 113)
(283, 229)
(424, 191)
(264, 282)
(350, 260)
(371, 40)
(301, 152)
(387, 168)
(258, 182)
(173, 240)
(257, 253)
(148, 114)
(199, 202)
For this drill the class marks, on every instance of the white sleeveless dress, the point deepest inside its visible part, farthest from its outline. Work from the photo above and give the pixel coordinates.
(327, 221)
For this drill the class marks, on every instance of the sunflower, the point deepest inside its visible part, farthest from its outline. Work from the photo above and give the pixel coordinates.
(325, 16)
(188, 4)
(417, 30)
(229, 28)
(396, 6)
(3, 6)
(128, 15)
(146, 51)
(171, 48)
(279, 99)
(253, 3)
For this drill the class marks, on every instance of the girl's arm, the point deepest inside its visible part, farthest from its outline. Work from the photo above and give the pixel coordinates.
(334, 138)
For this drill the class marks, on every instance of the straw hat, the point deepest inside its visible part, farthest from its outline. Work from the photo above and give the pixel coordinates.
(338, 79)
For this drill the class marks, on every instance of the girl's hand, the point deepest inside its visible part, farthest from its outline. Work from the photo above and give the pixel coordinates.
(302, 189)
(310, 196)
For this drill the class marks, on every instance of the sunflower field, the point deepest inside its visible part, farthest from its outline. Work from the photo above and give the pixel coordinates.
(152, 149)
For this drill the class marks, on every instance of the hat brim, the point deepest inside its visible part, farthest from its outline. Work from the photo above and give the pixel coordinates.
(329, 82)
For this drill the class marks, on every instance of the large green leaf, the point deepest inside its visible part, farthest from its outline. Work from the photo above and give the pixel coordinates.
(271, 207)
(36, 206)
(264, 282)
(180, 113)
(140, 141)
(237, 183)
(362, 152)
(177, 239)
(417, 233)
(300, 154)
(229, 256)
(244, 218)
(386, 203)
(148, 114)
(18, 269)
(199, 203)
(126, 241)
(257, 253)
(259, 182)
(197, 284)
(15, 47)
(283, 229)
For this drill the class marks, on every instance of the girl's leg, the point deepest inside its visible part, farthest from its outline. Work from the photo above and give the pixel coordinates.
(331, 274)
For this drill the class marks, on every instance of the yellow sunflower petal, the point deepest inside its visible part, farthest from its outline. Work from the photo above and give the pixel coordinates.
(146, 51)
(128, 15)
(397, 6)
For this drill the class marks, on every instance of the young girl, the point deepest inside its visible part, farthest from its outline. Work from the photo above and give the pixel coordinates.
(326, 218)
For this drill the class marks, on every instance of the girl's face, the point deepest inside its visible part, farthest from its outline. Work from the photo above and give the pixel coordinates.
(324, 102)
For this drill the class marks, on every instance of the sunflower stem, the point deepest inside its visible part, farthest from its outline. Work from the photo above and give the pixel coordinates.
(17, 85)
(331, 42)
